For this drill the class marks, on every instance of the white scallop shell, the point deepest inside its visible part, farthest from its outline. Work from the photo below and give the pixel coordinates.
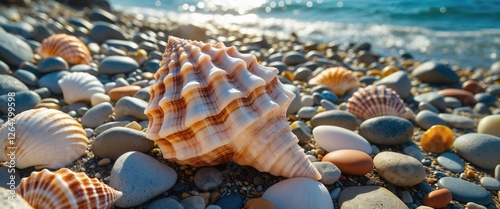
(299, 193)
(79, 87)
(373, 101)
(42, 138)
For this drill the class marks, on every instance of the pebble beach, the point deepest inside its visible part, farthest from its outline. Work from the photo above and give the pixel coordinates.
(435, 146)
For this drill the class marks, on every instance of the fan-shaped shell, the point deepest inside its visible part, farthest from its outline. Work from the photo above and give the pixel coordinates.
(79, 86)
(69, 47)
(338, 79)
(373, 101)
(210, 105)
(42, 138)
(312, 194)
(65, 189)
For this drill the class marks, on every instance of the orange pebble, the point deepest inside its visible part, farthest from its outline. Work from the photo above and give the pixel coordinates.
(119, 92)
(259, 203)
(438, 198)
(437, 139)
(390, 69)
(352, 162)
(470, 174)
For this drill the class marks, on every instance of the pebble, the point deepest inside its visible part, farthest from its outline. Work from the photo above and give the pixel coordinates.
(471, 205)
(397, 81)
(50, 81)
(117, 93)
(332, 138)
(462, 110)
(9, 83)
(26, 77)
(427, 106)
(457, 121)
(353, 162)
(115, 141)
(117, 64)
(312, 194)
(120, 44)
(104, 162)
(495, 68)
(439, 198)
(479, 149)
(386, 130)
(14, 50)
(307, 112)
(109, 125)
(399, 169)
(327, 104)
(307, 100)
(213, 207)
(4, 68)
(437, 139)
(335, 193)
(193, 202)
(140, 177)
(330, 173)
(435, 73)
(481, 108)
(465, 191)
(208, 178)
(99, 98)
(451, 161)
(302, 74)
(497, 172)
(232, 201)
(433, 98)
(294, 58)
(489, 125)
(102, 15)
(102, 31)
(52, 64)
(88, 131)
(369, 197)
(165, 203)
(302, 131)
(426, 119)
(25, 100)
(295, 105)
(486, 98)
(414, 152)
(464, 96)
(131, 106)
(97, 115)
(259, 203)
(490, 183)
(406, 197)
(335, 118)
(452, 102)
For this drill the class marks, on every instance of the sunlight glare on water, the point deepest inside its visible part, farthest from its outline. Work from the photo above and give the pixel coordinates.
(240, 6)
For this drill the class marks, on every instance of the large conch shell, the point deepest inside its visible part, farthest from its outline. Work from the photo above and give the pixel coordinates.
(373, 101)
(68, 47)
(65, 189)
(42, 138)
(210, 105)
(79, 87)
(338, 79)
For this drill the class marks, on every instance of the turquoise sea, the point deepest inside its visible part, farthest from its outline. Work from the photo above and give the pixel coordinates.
(464, 32)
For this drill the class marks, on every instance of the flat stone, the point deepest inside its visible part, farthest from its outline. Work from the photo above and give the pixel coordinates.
(414, 152)
(99, 98)
(481, 108)
(464, 191)
(102, 31)
(398, 82)
(128, 45)
(294, 58)
(102, 15)
(332, 138)
(52, 64)
(13, 50)
(97, 115)
(116, 141)
(458, 121)
(473, 87)
(208, 178)
(50, 81)
(329, 172)
(439, 198)
(465, 97)
(165, 203)
(479, 149)
(140, 177)
(426, 119)
(26, 77)
(117, 93)
(232, 201)
(471, 205)
(11, 84)
(352, 162)
(131, 106)
(25, 100)
(302, 74)
(369, 197)
(497, 172)
(399, 169)
(490, 183)
(259, 203)
(280, 194)
(4, 68)
(435, 73)
(193, 202)
(302, 131)
(486, 98)
(386, 130)
(295, 105)
(307, 112)
(335, 118)
(117, 64)
(451, 161)
(452, 102)
(109, 125)
(327, 104)
(406, 197)
(80, 22)
(433, 98)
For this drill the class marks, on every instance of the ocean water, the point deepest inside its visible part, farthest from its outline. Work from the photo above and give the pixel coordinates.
(464, 33)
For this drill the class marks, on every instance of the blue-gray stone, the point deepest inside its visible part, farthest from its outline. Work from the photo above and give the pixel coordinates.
(97, 115)
(102, 15)
(427, 106)
(193, 202)
(335, 118)
(143, 94)
(80, 22)
(294, 58)
(43, 92)
(41, 32)
(426, 119)
(452, 102)
(465, 191)
(460, 110)
(451, 161)
(26, 77)
(25, 100)
(433, 98)
(367, 79)
(330, 173)
(328, 105)
(413, 151)
(278, 65)
(90, 69)
(306, 112)
(208, 178)
(398, 82)
(13, 50)
(435, 73)
(20, 28)
(479, 149)
(457, 121)
(495, 90)
(295, 105)
(5, 177)
(302, 74)
(386, 130)
(131, 106)
(486, 98)
(116, 141)
(232, 201)
(52, 64)
(330, 96)
(117, 64)
(128, 45)
(50, 81)
(490, 183)
(4, 68)
(481, 108)
(11, 84)
(102, 31)
(165, 203)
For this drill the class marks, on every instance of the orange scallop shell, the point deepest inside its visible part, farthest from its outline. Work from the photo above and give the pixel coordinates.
(68, 47)
(373, 101)
(338, 79)
(437, 139)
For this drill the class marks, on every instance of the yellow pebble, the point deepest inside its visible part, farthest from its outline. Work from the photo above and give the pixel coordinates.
(390, 69)
(374, 72)
(358, 74)
(288, 75)
(48, 106)
(437, 139)
(134, 125)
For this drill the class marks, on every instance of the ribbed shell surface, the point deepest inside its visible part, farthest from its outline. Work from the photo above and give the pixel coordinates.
(69, 47)
(43, 138)
(79, 87)
(338, 79)
(373, 101)
(65, 189)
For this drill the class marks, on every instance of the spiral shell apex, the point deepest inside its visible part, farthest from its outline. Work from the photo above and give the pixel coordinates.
(42, 138)
(210, 105)
(79, 87)
(65, 189)
(69, 47)
(338, 79)
(373, 101)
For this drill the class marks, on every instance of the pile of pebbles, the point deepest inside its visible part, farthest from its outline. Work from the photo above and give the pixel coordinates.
(379, 159)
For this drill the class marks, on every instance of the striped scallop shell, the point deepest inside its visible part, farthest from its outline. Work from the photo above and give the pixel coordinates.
(42, 138)
(338, 79)
(373, 101)
(69, 47)
(65, 189)
(79, 87)
(210, 105)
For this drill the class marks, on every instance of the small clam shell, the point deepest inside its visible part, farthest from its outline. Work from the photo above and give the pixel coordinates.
(69, 47)
(42, 138)
(65, 189)
(286, 195)
(338, 79)
(373, 101)
(79, 86)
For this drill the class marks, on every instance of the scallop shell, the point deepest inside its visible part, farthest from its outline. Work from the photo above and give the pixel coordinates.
(210, 105)
(79, 87)
(69, 47)
(373, 101)
(312, 194)
(43, 138)
(338, 79)
(65, 189)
